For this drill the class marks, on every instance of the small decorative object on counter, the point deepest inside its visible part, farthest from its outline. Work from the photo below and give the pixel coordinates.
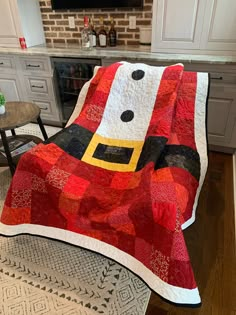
(22, 43)
(145, 35)
(102, 34)
(93, 34)
(2, 104)
(86, 35)
(112, 34)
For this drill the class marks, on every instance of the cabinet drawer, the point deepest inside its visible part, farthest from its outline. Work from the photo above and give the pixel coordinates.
(48, 108)
(45, 106)
(39, 87)
(7, 62)
(221, 113)
(33, 65)
(218, 77)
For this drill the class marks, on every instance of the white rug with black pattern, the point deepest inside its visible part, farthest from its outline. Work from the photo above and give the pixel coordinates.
(45, 277)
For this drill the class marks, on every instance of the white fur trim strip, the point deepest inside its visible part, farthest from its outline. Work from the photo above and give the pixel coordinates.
(170, 292)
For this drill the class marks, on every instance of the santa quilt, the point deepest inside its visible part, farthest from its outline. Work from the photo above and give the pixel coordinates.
(123, 178)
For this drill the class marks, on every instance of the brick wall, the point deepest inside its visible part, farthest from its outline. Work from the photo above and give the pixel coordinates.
(57, 31)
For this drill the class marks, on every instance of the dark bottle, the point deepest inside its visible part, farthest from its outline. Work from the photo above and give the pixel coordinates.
(102, 34)
(93, 34)
(112, 34)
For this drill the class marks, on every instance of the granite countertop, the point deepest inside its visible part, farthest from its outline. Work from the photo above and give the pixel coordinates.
(121, 52)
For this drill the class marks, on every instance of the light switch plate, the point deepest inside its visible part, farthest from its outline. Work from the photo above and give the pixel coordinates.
(71, 20)
(132, 22)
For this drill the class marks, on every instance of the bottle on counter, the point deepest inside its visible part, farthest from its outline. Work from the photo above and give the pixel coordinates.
(112, 34)
(93, 34)
(86, 43)
(102, 34)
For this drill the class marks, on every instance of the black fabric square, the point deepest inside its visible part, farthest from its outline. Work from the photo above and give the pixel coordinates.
(113, 154)
(74, 140)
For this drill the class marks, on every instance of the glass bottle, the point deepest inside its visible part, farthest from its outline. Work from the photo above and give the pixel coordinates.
(93, 34)
(86, 35)
(102, 34)
(112, 34)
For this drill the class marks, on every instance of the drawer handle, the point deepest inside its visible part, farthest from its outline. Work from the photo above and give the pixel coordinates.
(37, 86)
(1, 63)
(43, 108)
(217, 78)
(33, 66)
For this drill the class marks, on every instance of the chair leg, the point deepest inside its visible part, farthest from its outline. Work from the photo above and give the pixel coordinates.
(41, 126)
(7, 152)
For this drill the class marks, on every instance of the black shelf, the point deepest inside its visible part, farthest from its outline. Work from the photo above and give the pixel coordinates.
(71, 75)
(71, 93)
(74, 78)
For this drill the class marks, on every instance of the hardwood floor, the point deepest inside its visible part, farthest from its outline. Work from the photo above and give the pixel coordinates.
(211, 244)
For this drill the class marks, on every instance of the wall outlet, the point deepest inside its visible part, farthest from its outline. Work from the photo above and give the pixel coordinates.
(132, 22)
(71, 20)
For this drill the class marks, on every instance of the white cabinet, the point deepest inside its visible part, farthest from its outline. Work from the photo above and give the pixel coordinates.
(221, 114)
(9, 80)
(219, 28)
(30, 79)
(10, 28)
(177, 24)
(37, 84)
(20, 18)
(195, 26)
(10, 88)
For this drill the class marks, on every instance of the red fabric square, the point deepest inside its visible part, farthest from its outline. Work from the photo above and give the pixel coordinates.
(163, 192)
(163, 240)
(143, 251)
(179, 250)
(165, 214)
(24, 181)
(177, 274)
(76, 185)
(12, 216)
(126, 242)
(69, 203)
(121, 180)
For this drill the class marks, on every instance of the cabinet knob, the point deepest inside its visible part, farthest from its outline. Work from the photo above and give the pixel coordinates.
(1, 63)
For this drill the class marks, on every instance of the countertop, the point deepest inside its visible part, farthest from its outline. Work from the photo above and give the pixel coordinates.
(120, 52)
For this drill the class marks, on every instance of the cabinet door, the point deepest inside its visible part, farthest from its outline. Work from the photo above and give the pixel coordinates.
(10, 28)
(177, 24)
(219, 25)
(221, 114)
(10, 88)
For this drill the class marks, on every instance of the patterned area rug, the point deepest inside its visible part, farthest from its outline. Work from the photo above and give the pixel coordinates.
(46, 277)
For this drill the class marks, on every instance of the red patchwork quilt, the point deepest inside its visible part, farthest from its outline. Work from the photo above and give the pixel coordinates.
(123, 178)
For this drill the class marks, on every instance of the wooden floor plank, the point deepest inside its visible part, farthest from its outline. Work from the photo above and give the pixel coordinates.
(211, 244)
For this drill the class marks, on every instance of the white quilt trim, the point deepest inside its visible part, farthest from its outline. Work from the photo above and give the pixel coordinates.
(170, 292)
(200, 136)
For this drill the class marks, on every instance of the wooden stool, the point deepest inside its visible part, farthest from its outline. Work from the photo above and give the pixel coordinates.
(18, 114)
